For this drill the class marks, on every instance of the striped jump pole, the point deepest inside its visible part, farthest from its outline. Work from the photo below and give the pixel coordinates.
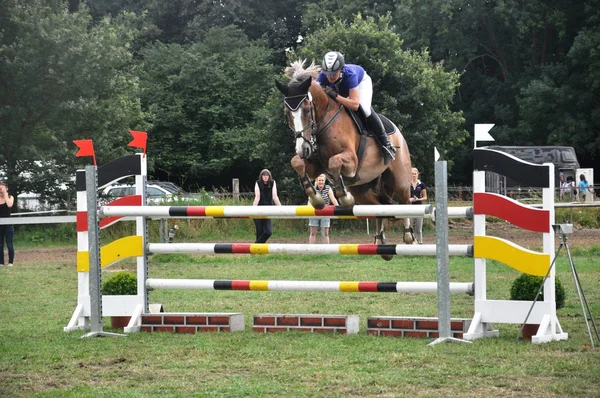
(307, 286)
(358, 211)
(281, 248)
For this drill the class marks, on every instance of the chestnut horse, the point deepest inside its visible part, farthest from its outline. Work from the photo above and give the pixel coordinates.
(327, 141)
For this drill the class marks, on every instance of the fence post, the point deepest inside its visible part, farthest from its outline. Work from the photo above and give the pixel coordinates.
(236, 188)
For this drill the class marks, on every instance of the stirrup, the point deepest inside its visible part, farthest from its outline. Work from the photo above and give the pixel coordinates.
(387, 154)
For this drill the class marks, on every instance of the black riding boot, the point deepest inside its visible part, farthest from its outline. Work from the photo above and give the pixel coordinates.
(376, 126)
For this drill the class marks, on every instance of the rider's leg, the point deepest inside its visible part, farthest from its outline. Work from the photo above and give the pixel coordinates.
(378, 130)
(365, 88)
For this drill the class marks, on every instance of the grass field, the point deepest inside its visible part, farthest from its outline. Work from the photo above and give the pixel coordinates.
(38, 359)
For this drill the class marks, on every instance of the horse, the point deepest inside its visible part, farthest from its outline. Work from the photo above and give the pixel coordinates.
(328, 142)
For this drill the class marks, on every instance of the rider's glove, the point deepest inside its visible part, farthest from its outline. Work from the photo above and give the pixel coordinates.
(330, 92)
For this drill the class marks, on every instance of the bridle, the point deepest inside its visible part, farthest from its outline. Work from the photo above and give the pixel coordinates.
(294, 102)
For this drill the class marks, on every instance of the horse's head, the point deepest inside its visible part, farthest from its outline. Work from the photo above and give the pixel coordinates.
(300, 114)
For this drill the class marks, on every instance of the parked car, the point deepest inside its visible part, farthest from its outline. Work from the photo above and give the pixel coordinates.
(158, 192)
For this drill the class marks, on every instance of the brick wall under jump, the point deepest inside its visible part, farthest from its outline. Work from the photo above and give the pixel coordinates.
(399, 326)
(188, 322)
(268, 323)
(396, 326)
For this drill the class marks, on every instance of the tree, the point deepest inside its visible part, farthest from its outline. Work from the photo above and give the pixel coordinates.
(62, 79)
(203, 98)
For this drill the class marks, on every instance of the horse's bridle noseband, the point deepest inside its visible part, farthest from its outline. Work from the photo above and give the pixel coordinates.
(293, 103)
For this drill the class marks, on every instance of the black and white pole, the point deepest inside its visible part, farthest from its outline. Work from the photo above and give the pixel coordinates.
(442, 253)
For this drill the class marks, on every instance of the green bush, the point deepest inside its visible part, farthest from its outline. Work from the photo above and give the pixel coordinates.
(119, 284)
(525, 287)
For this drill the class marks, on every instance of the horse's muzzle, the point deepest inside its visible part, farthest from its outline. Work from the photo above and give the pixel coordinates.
(305, 151)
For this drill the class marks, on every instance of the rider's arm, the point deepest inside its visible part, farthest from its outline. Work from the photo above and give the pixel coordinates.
(256, 195)
(353, 100)
(275, 197)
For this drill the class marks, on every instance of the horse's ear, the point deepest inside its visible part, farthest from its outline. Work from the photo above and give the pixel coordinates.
(305, 85)
(282, 87)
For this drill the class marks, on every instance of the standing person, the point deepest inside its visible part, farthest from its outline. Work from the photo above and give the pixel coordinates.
(352, 87)
(418, 195)
(584, 187)
(7, 232)
(327, 194)
(265, 194)
(568, 188)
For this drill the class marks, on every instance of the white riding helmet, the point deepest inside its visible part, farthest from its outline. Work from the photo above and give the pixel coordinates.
(332, 63)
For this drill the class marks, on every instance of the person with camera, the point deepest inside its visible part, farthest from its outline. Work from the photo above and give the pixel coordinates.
(7, 232)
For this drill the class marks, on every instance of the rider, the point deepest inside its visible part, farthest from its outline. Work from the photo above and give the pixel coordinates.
(351, 86)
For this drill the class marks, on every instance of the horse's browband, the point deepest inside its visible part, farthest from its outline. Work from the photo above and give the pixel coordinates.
(290, 102)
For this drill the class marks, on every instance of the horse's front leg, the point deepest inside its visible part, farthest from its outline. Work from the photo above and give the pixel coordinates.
(380, 237)
(409, 236)
(303, 169)
(343, 164)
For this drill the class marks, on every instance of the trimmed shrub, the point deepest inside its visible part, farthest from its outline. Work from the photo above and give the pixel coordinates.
(119, 284)
(526, 286)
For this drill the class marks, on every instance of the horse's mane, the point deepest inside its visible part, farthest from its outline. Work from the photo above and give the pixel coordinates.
(297, 73)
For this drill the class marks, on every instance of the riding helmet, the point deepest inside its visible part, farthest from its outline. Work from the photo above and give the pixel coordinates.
(333, 62)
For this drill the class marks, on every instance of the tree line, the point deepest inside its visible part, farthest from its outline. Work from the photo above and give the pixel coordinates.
(198, 75)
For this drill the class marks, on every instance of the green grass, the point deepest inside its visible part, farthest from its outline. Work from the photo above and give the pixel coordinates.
(38, 359)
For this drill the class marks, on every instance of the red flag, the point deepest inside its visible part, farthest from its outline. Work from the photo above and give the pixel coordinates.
(86, 148)
(139, 139)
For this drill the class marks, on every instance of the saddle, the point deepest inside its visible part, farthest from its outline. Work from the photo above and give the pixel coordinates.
(360, 120)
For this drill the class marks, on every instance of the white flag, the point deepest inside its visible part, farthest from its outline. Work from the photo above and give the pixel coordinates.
(481, 133)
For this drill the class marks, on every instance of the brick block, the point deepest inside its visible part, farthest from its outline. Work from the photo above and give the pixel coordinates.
(311, 321)
(378, 323)
(403, 324)
(427, 325)
(174, 320)
(263, 320)
(152, 320)
(208, 328)
(274, 330)
(288, 320)
(457, 325)
(415, 334)
(195, 320)
(339, 322)
(394, 333)
(185, 329)
(218, 320)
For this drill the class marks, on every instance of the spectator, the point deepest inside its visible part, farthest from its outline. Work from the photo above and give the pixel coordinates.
(418, 195)
(314, 223)
(7, 232)
(584, 187)
(265, 194)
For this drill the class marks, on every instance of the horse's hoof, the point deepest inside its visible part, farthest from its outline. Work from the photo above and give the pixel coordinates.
(409, 238)
(317, 202)
(347, 201)
(387, 257)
